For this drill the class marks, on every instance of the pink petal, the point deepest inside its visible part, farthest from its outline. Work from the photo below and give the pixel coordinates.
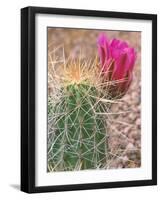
(102, 54)
(123, 87)
(115, 53)
(106, 65)
(123, 45)
(132, 58)
(103, 48)
(128, 82)
(120, 67)
(118, 44)
(114, 43)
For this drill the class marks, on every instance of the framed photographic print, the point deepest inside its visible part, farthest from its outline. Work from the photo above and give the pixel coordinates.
(88, 99)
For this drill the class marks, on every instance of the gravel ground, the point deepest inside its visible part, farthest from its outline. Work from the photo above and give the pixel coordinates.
(125, 129)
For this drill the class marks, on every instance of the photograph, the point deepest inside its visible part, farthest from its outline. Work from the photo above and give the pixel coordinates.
(94, 99)
(89, 88)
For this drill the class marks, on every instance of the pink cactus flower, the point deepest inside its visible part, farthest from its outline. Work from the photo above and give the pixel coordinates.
(117, 61)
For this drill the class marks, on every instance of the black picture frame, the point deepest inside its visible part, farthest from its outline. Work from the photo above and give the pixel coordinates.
(28, 98)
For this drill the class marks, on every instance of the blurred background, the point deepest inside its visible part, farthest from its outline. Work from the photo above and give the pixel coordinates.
(125, 128)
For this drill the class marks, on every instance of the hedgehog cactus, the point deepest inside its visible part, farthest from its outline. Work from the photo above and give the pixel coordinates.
(78, 110)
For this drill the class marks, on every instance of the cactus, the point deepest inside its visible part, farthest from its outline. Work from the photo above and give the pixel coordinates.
(81, 133)
(78, 109)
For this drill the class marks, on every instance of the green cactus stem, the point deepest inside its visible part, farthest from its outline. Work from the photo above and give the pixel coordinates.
(79, 138)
